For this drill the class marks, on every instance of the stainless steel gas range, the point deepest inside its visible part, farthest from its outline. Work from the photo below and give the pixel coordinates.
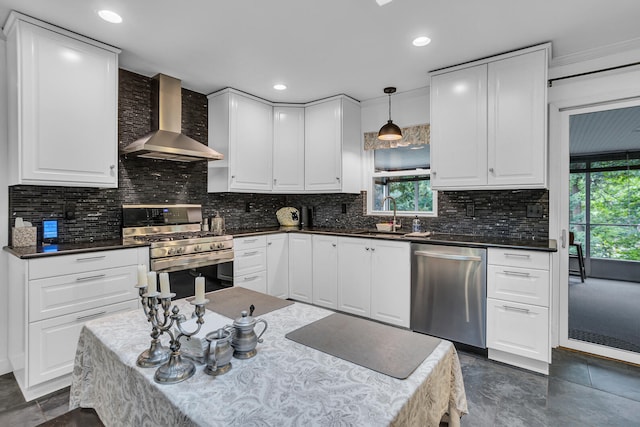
(178, 246)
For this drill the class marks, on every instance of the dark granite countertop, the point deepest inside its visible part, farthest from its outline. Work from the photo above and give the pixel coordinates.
(434, 238)
(68, 248)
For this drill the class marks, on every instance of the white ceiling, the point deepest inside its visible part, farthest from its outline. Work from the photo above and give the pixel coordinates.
(322, 48)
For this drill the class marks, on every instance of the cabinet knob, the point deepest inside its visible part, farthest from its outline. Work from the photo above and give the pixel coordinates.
(334, 245)
(491, 170)
(373, 249)
(112, 167)
(274, 181)
(338, 178)
(433, 173)
(367, 248)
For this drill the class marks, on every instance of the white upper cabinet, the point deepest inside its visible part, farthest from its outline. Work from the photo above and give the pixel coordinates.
(280, 148)
(517, 131)
(241, 128)
(288, 149)
(63, 106)
(488, 123)
(459, 128)
(333, 146)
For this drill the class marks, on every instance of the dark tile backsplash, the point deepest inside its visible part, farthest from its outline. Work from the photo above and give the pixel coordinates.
(90, 213)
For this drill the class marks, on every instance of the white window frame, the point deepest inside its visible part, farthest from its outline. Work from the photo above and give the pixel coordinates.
(370, 174)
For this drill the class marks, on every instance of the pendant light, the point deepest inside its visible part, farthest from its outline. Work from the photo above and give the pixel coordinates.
(390, 131)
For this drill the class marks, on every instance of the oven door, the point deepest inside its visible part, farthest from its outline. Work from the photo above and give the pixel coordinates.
(216, 277)
(216, 267)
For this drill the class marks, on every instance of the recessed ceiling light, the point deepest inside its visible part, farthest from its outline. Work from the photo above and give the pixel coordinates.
(383, 2)
(421, 41)
(279, 86)
(110, 16)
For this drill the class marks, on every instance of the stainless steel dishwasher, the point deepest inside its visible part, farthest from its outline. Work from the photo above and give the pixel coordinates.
(448, 292)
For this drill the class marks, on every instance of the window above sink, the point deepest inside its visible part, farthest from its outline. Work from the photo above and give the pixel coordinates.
(403, 173)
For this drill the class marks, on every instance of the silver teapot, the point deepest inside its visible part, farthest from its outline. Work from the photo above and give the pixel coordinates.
(244, 339)
(219, 352)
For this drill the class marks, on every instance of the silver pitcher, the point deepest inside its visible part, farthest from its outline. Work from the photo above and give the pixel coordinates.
(244, 339)
(219, 352)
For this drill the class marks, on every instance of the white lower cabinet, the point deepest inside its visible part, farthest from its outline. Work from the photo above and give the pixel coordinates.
(518, 321)
(250, 263)
(374, 279)
(391, 282)
(519, 329)
(325, 270)
(50, 299)
(300, 267)
(52, 342)
(278, 265)
(354, 276)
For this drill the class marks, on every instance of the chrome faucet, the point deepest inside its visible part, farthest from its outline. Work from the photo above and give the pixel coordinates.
(395, 211)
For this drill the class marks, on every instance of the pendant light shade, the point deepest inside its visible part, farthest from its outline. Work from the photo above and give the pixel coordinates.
(390, 131)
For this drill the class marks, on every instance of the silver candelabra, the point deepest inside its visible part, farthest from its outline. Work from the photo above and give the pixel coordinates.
(156, 354)
(172, 367)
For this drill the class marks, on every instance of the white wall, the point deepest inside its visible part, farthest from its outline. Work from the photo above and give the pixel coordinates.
(407, 109)
(4, 200)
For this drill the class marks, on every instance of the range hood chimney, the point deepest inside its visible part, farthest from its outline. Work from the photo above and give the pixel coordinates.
(168, 142)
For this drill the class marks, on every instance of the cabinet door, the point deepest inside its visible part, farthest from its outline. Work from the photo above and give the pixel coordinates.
(520, 329)
(524, 285)
(55, 296)
(288, 149)
(323, 145)
(67, 111)
(249, 261)
(354, 276)
(391, 282)
(300, 267)
(459, 128)
(250, 144)
(278, 265)
(517, 120)
(325, 271)
(255, 281)
(53, 342)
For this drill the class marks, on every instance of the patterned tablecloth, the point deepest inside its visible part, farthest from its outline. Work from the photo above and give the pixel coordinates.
(286, 384)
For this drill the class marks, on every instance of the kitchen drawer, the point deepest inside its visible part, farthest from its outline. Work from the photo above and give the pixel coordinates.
(254, 281)
(249, 261)
(62, 295)
(252, 242)
(525, 285)
(520, 329)
(58, 265)
(53, 342)
(518, 258)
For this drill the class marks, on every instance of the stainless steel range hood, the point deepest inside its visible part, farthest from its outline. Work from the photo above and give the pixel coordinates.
(167, 142)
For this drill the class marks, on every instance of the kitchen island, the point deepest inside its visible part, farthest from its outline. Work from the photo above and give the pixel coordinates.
(285, 384)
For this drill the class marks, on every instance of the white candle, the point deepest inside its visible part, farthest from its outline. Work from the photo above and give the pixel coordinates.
(199, 290)
(152, 283)
(165, 288)
(142, 275)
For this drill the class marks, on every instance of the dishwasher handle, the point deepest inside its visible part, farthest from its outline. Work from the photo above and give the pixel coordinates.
(472, 258)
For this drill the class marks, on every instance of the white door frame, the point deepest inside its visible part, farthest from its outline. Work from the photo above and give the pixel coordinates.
(603, 92)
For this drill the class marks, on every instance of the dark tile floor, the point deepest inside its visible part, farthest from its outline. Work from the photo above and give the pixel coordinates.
(581, 390)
